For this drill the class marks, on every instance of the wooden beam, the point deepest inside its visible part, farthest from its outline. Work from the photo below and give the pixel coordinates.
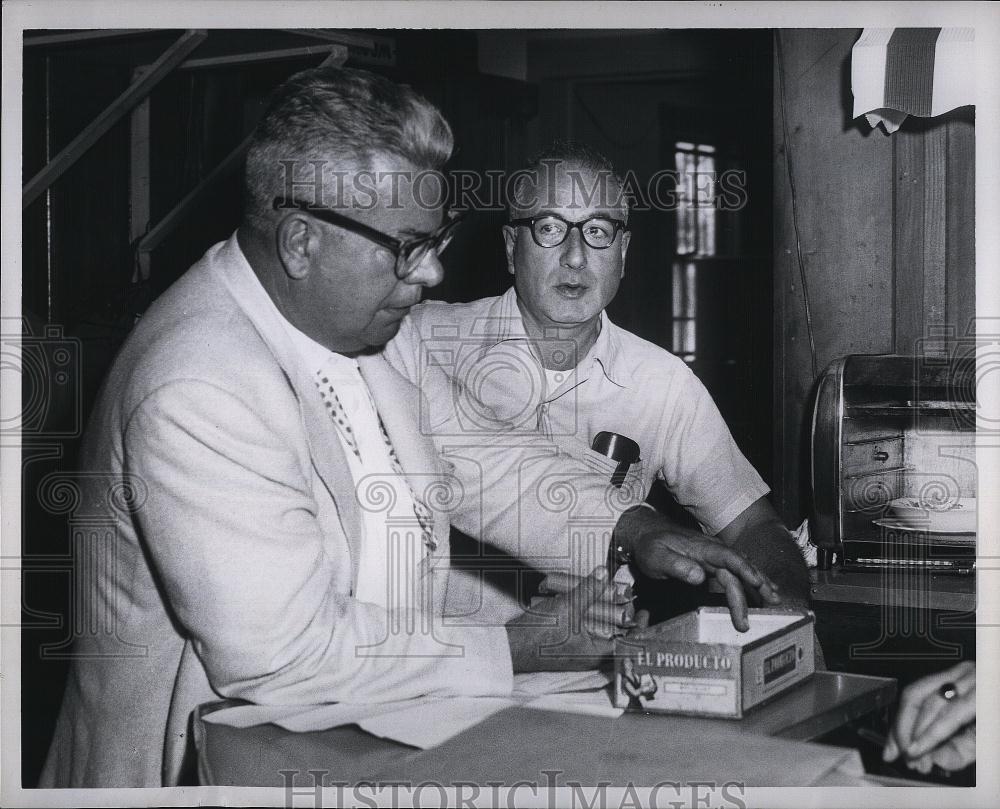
(935, 229)
(909, 194)
(232, 161)
(960, 240)
(151, 240)
(376, 50)
(264, 56)
(135, 93)
(340, 37)
(336, 58)
(73, 37)
(139, 177)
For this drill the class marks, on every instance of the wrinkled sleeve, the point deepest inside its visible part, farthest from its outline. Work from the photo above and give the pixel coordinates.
(702, 465)
(230, 526)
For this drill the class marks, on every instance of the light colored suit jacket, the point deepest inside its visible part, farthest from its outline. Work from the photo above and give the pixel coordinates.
(232, 556)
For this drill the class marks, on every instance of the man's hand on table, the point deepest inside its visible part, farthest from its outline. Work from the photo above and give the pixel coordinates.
(662, 550)
(571, 631)
(936, 721)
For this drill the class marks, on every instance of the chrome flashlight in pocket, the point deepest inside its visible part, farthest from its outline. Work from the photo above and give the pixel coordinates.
(618, 448)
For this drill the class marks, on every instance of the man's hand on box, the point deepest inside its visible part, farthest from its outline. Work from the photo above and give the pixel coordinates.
(662, 550)
(571, 631)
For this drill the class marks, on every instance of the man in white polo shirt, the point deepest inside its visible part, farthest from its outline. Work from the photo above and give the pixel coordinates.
(545, 358)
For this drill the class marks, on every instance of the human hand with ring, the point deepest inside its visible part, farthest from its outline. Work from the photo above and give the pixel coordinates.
(936, 721)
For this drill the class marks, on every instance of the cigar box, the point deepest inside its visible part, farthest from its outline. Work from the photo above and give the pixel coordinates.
(699, 664)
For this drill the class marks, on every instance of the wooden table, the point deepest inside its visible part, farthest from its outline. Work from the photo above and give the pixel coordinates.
(508, 746)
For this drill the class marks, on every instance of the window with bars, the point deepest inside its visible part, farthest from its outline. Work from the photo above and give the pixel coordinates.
(685, 309)
(695, 166)
(695, 238)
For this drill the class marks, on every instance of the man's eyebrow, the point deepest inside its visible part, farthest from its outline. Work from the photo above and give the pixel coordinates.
(594, 215)
(420, 233)
(414, 233)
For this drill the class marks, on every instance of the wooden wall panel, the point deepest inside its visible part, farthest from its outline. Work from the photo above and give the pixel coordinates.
(935, 165)
(934, 230)
(887, 232)
(908, 185)
(842, 205)
(960, 247)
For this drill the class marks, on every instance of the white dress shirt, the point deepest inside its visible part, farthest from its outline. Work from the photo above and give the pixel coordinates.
(373, 472)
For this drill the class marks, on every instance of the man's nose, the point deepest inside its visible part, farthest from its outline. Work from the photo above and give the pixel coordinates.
(429, 272)
(574, 249)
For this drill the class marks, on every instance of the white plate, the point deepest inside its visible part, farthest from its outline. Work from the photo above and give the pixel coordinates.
(906, 525)
(960, 518)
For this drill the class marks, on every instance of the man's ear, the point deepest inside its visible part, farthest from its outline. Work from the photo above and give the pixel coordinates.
(509, 241)
(626, 239)
(297, 244)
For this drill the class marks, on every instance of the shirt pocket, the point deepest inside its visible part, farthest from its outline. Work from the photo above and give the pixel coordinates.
(633, 489)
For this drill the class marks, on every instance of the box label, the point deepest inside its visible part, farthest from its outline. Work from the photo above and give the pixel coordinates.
(698, 664)
(653, 691)
(779, 663)
(694, 661)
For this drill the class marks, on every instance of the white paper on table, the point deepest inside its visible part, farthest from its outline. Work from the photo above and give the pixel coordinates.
(428, 724)
(592, 703)
(424, 722)
(538, 683)
(304, 718)
(428, 721)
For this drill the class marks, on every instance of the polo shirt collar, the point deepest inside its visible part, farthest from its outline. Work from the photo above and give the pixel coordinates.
(605, 353)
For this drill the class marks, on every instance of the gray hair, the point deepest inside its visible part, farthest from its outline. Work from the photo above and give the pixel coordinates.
(339, 119)
(566, 154)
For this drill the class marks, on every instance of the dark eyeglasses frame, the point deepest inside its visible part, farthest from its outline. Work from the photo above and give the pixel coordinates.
(529, 222)
(402, 251)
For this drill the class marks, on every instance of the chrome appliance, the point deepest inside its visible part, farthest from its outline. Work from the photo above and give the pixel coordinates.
(893, 462)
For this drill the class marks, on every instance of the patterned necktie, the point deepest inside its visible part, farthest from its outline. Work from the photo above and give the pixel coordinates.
(423, 514)
(339, 416)
(336, 411)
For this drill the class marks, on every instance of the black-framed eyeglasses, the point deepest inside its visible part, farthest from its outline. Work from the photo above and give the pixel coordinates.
(551, 230)
(409, 255)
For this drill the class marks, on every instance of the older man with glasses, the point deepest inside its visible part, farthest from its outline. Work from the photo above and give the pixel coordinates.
(278, 540)
(545, 358)
(409, 254)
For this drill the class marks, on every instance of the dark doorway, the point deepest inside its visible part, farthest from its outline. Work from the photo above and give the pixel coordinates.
(698, 279)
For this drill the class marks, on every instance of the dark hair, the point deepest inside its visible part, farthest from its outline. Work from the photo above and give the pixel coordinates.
(339, 118)
(569, 154)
